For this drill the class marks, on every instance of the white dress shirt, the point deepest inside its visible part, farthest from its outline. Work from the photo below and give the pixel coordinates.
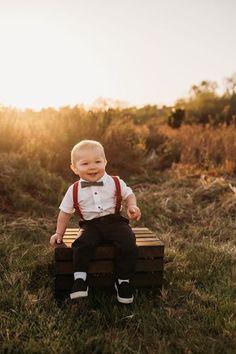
(95, 201)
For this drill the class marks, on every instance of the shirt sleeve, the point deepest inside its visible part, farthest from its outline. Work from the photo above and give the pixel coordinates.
(67, 202)
(125, 190)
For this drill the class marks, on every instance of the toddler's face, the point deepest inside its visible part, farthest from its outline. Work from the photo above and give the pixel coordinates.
(90, 165)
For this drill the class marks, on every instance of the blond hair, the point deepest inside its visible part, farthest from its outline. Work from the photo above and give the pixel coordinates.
(85, 145)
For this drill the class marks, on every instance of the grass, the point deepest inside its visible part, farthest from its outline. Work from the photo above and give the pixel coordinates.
(195, 217)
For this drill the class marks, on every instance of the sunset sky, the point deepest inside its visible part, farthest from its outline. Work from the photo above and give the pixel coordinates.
(67, 52)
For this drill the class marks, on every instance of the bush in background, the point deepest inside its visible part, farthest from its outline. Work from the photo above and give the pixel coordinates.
(27, 188)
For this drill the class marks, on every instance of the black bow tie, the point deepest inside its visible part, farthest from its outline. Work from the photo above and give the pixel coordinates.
(89, 184)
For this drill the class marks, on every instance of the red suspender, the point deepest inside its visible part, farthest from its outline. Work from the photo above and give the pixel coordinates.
(118, 196)
(75, 198)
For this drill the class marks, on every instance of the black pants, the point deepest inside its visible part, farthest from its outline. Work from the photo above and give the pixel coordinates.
(114, 229)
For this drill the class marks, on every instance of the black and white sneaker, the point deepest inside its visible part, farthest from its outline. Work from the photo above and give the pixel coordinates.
(79, 289)
(124, 292)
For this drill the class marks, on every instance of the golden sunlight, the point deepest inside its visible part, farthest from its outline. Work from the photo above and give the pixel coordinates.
(69, 53)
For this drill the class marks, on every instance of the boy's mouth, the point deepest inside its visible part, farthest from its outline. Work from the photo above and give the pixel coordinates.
(92, 174)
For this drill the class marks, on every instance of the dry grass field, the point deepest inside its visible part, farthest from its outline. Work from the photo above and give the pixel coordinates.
(194, 216)
(185, 184)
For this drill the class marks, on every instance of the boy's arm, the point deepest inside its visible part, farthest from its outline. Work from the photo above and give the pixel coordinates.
(62, 223)
(133, 210)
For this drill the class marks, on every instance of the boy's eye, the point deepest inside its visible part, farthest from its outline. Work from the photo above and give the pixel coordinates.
(84, 163)
(98, 161)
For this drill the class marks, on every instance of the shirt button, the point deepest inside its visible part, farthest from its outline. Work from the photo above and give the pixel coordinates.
(95, 193)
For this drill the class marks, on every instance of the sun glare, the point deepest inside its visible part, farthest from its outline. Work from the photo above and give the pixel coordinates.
(39, 66)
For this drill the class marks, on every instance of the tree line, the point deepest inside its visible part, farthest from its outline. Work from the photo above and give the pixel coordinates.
(136, 139)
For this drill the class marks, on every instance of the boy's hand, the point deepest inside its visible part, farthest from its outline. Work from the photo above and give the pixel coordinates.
(56, 238)
(133, 212)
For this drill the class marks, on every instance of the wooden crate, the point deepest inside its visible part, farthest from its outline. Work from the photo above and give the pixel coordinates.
(149, 268)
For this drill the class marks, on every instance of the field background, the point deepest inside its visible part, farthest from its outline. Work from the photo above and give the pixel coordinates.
(181, 163)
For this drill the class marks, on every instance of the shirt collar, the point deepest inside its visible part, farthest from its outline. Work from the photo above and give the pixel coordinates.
(104, 178)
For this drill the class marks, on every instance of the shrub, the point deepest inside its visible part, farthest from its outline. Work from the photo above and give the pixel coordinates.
(125, 146)
(27, 187)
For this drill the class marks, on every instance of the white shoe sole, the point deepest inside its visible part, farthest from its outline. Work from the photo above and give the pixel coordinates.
(124, 300)
(78, 294)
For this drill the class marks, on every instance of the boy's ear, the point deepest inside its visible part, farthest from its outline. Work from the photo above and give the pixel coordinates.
(74, 169)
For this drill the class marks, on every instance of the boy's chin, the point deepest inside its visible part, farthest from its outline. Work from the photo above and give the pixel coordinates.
(92, 178)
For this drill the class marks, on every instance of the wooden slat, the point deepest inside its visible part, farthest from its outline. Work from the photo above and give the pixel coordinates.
(139, 241)
(65, 282)
(63, 253)
(138, 236)
(135, 229)
(107, 266)
(138, 231)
